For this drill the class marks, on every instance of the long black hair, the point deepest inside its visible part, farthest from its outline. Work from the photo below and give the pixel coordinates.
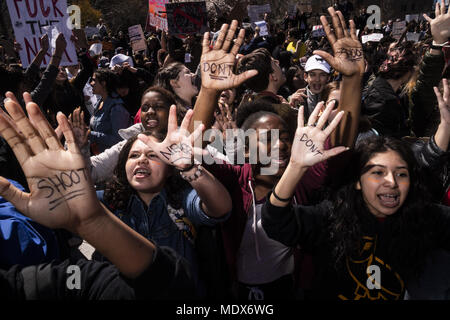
(118, 190)
(350, 216)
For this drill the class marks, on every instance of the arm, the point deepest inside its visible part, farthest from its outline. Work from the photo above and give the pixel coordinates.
(58, 203)
(177, 150)
(222, 78)
(442, 136)
(349, 60)
(33, 68)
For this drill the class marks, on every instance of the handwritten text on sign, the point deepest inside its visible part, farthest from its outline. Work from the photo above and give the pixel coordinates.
(29, 19)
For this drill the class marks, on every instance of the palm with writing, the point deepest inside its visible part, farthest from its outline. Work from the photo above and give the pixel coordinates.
(177, 149)
(79, 128)
(61, 194)
(308, 146)
(348, 53)
(217, 63)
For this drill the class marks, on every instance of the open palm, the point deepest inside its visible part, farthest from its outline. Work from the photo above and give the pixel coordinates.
(348, 57)
(61, 195)
(217, 63)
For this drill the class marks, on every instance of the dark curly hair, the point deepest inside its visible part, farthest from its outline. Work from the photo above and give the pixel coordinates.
(400, 60)
(409, 244)
(118, 190)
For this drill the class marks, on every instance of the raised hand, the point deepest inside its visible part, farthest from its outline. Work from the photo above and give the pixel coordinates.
(177, 149)
(44, 43)
(217, 63)
(61, 194)
(440, 25)
(348, 53)
(80, 129)
(308, 146)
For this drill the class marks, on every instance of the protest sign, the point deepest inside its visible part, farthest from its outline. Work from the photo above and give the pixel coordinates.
(30, 17)
(157, 14)
(318, 31)
(185, 18)
(256, 12)
(397, 29)
(412, 36)
(137, 38)
(262, 28)
(411, 17)
(373, 37)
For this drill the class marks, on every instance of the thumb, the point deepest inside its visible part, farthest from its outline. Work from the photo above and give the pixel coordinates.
(241, 78)
(333, 152)
(328, 57)
(18, 198)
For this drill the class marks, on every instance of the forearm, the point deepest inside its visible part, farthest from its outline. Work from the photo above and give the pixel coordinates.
(39, 58)
(442, 136)
(216, 201)
(204, 108)
(130, 252)
(286, 186)
(350, 102)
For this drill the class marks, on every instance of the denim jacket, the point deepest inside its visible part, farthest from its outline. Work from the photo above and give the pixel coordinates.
(155, 224)
(106, 122)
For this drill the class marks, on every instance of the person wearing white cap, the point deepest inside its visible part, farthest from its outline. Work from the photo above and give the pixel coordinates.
(317, 75)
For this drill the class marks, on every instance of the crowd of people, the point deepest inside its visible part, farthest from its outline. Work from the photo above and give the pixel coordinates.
(339, 187)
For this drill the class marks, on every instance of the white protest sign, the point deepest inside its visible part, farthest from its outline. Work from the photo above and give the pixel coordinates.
(262, 28)
(256, 12)
(397, 29)
(137, 38)
(29, 17)
(412, 36)
(373, 37)
(96, 49)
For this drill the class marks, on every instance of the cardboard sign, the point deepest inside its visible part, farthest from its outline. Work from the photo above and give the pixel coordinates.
(137, 38)
(256, 12)
(262, 28)
(29, 18)
(373, 37)
(185, 18)
(397, 29)
(157, 14)
(412, 36)
(318, 31)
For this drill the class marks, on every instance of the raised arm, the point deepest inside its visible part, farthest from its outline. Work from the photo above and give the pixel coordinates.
(61, 193)
(348, 59)
(177, 150)
(442, 135)
(216, 65)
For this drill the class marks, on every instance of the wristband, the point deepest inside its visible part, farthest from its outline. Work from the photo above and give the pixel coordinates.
(438, 46)
(197, 174)
(278, 198)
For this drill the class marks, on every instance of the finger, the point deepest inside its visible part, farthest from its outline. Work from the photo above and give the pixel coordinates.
(437, 10)
(221, 37)
(242, 77)
(146, 139)
(328, 57)
(67, 132)
(353, 30)
(442, 7)
(205, 43)
(18, 198)
(186, 121)
(301, 117)
(343, 24)
(327, 154)
(446, 90)
(11, 96)
(426, 17)
(222, 112)
(313, 117)
(27, 98)
(8, 118)
(336, 23)
(46, 132)
(238, 42)
(438, 96)
(228, 112)
(326, 26)
(325, 114)
(172, 125)
(15, 141)
(333, 124)
(59, 132)
(230, 35)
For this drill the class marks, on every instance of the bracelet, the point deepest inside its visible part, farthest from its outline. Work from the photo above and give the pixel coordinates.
(197, 174)
(188, 168)
(278, 198)
(438, 46)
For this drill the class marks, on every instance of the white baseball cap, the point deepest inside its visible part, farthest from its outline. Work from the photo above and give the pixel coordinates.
(119, 59)
(317, 62)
